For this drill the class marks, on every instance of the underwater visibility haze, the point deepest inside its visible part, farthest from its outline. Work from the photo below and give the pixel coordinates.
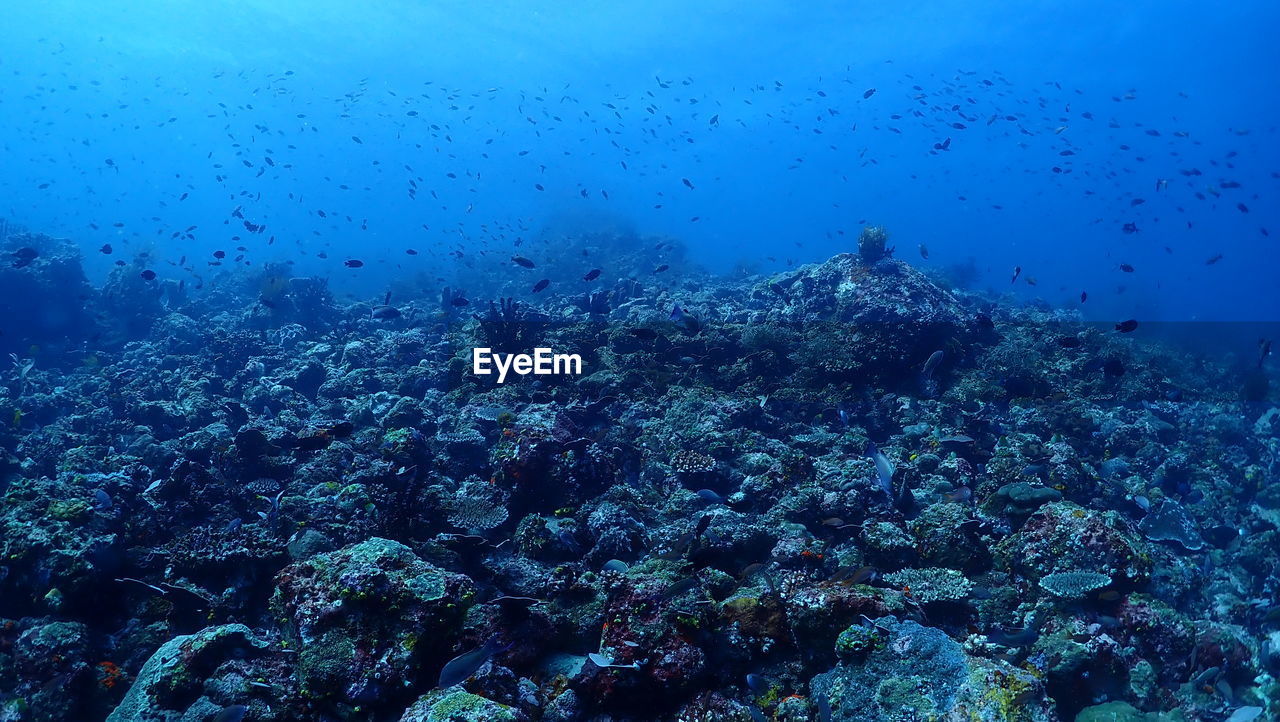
(639, 361)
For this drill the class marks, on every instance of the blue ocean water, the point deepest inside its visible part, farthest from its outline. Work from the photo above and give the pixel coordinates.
(160, 117)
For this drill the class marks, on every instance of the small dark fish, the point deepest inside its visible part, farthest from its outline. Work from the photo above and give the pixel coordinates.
(1130, 228)
(1084, 296)
(148, 275)
(462, 667)
(1126, 268)
(687, 182)
(661, 268)
(219, 254)
(410, 251)
(460, 301)
(1264, 346)
(1017, 271)
(703, 524)
(684, 585)
(541, 285)
(592, 275)
(924, 251)
(1127, 326)
(757, 683)
(106, 249)
(870, 92)
(385, 312)
(644, 334)
(1213, 259)
(522, 262)
(353, 263)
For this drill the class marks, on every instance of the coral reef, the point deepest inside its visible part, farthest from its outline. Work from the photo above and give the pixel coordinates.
(775, 504)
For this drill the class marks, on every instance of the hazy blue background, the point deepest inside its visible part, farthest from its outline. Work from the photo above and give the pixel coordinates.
(178, 95)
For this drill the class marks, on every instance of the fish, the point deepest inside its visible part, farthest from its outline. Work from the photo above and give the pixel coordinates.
(592, 275)
(687, 584)
(868, 93)
(924, 251)
(661, 268)
(1264, 350)
(884, 468)
(462, 667)
(1084, 296)
(1013, 637)
(852, 575)
(604, 662)
(683, 319)
(642, 333)
(522, 262)
(353, 263)
(385, 312)
(1126, 268)
(1070, 341)
(459, 301)
(148, 275)
(541, 285)
(709, 495)
(615, 565)
(1127, 326)
(687, 183)
(1213, 259)
(1017, 271)
(931, 364)
(234, 713)
(106, 249)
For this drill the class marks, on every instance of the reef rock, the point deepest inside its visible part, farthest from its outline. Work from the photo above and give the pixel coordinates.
(916, 672)
(170, 685)
(370, 620)
(891, 313)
